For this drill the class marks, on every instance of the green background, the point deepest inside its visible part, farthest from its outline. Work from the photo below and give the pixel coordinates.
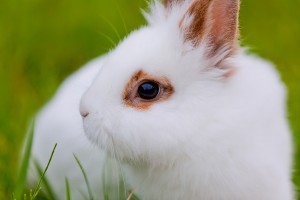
(42, 41)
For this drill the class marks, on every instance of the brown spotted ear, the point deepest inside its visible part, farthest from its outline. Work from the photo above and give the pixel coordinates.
(215, 21)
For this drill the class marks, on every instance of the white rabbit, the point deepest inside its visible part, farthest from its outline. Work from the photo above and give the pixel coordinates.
(188, 113)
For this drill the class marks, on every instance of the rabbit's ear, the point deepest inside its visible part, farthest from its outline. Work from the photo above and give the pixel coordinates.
(212, 21)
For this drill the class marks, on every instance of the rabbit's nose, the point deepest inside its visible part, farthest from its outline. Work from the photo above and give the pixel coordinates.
(83, 111)
(84, 114)
(83, 108)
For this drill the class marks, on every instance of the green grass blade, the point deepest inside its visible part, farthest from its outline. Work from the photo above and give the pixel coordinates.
(106, 196)
(46, 184)
(68, 193)
(104, 187)
(38, 187)
(85, 177)
(24, 163)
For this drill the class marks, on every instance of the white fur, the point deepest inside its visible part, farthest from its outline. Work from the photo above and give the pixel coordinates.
(216, 138)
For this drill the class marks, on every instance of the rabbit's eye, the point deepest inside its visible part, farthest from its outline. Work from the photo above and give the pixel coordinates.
(144, 90)
(148, 90)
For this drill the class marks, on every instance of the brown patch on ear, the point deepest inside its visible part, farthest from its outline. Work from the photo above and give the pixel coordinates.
(224, 29)
(215, 21)
(196, 30)
(131, 98)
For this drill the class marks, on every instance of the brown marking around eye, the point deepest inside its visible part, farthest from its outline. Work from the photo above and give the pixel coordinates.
(130, 97)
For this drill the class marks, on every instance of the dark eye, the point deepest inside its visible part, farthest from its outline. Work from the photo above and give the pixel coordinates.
(148, 90)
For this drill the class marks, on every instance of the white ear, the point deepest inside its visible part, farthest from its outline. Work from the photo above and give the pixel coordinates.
(214, 22)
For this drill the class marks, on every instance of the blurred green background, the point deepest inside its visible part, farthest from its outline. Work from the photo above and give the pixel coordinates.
(42, 41)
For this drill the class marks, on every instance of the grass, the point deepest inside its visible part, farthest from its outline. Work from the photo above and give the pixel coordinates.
(24, 164)
(68, 193)
(41, 42)
(85, 178)
(43, 179)
(20, 186)
(38, 188)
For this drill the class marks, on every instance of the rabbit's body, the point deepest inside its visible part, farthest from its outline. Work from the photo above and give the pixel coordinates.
(215, 129)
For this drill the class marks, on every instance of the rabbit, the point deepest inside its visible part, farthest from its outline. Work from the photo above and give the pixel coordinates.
(186, 111)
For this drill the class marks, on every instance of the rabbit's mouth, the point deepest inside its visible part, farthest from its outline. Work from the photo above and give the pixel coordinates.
(103, 137)
(98, 132)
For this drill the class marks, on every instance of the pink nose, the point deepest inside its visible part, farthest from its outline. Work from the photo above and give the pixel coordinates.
(84, 114)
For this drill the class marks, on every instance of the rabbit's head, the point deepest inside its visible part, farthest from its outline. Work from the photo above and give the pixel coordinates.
(159, 90)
